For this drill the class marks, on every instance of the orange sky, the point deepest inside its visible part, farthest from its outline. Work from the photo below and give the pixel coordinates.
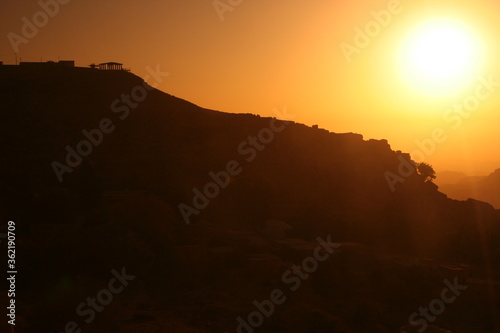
(270, 54)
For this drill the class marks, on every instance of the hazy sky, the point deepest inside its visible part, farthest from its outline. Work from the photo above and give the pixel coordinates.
(270, 54)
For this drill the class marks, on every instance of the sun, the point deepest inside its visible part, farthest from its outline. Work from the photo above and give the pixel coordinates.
(440, 57)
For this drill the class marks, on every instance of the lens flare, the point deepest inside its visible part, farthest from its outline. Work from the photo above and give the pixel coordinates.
(440, 57)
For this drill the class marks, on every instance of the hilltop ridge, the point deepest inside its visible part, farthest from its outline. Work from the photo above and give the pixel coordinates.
(169, 146)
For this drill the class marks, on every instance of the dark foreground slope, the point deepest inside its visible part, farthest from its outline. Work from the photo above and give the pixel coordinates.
(119, 207)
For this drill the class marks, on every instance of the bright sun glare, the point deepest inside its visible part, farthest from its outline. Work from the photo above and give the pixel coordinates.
(440, 57)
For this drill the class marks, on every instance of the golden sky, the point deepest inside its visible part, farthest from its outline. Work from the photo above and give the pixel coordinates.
(269, 54)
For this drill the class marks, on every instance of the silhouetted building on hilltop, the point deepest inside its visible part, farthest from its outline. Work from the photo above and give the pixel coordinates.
(111, 66)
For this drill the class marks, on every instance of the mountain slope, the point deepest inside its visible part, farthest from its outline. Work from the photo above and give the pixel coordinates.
(481, 188)
(119, 207)
(309, 177)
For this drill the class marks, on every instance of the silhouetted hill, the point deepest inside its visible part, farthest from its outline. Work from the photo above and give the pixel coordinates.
(310, 177)
(481, 188)
(449, 177)
(120, 204)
